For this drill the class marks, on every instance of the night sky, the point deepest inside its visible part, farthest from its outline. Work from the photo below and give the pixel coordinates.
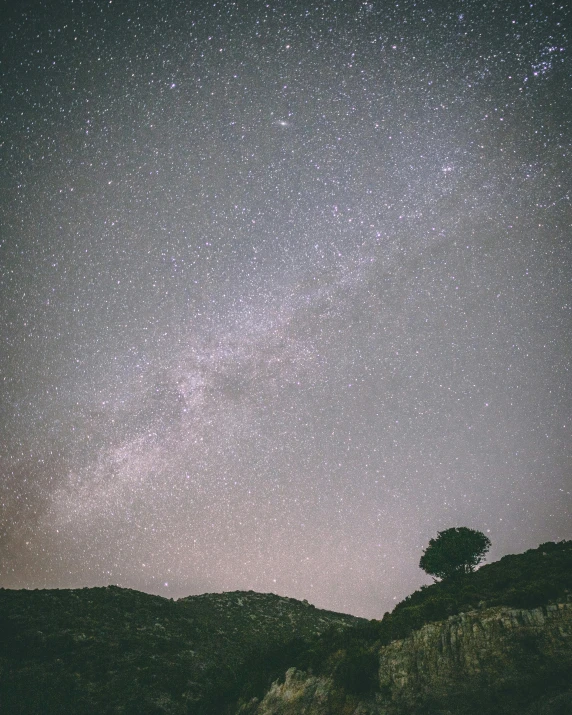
(285, 290)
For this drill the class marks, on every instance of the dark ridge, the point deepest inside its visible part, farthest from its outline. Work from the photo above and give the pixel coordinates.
(115, 650)
(97, 650)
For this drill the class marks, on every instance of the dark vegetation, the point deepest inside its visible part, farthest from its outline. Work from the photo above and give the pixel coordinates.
(527, 580)
(455, 552)
(535, 578)
(100, 650)
(346, 655)
(104, 650)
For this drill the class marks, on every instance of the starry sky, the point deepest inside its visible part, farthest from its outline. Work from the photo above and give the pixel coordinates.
(285, 290)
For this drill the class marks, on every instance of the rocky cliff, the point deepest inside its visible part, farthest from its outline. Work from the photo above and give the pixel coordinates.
(497, 660)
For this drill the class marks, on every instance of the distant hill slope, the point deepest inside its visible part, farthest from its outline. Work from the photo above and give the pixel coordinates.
(99, 650)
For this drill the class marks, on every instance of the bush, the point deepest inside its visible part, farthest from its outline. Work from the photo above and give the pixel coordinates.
(357, 672)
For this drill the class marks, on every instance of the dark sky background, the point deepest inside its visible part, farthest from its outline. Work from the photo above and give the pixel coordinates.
(285, 290)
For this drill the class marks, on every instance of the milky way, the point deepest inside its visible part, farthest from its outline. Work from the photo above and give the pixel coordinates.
(285, 291)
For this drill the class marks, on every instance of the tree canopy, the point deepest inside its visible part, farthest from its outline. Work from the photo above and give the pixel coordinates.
(454, 552)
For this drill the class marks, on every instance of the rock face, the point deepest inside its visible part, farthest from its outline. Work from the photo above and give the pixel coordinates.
(499, 660)
(299, 693)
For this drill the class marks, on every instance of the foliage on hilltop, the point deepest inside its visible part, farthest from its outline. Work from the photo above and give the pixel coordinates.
(454, 552)
(526, 580)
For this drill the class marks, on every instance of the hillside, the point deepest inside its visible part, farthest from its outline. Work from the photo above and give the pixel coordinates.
(495, 641)
(98, 650)
(534, 578)
(499, 661)
(498, 633)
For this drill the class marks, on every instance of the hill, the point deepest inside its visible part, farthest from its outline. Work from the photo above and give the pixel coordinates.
(98, 650)
(520, 606)
(114, 650)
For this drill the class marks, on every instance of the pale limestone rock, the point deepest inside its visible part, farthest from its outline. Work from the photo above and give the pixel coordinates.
(467, 653)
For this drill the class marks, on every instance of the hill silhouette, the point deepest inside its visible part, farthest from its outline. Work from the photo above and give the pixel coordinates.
(99, 650)
(96, 650)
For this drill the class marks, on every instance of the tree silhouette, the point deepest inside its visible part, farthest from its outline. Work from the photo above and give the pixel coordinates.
(454, 552)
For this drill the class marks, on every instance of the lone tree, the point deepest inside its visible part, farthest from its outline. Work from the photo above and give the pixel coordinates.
(454, 552)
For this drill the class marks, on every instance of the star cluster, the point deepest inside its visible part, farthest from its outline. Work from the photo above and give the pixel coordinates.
(285, 290)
